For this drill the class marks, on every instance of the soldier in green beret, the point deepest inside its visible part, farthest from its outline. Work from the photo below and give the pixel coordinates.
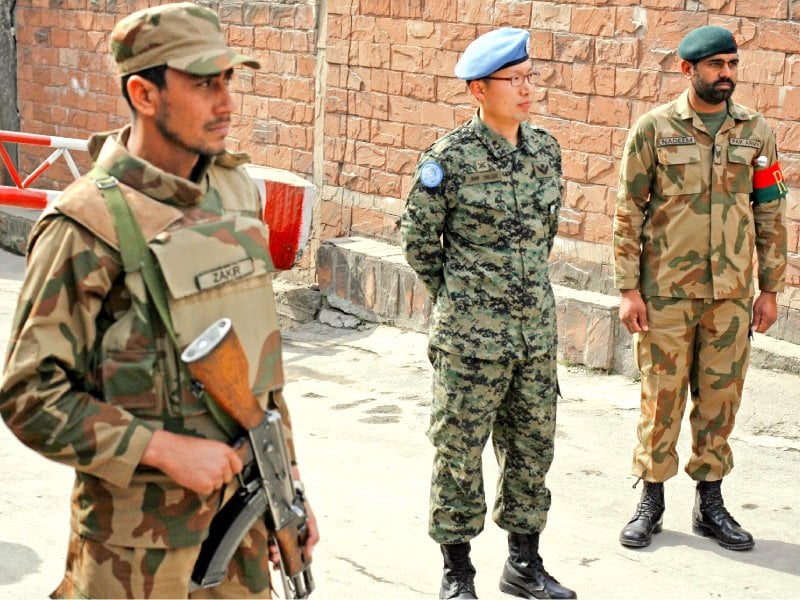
(93, 377)
(478, 226)
(700, 194)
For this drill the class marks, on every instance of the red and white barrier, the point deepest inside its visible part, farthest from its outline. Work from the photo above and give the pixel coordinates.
(22, 195)
(287, 201)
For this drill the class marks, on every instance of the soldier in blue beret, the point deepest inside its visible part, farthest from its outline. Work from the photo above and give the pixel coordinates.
(700, 192)
(478, 226)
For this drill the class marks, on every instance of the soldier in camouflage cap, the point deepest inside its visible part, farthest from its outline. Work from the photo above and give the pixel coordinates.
(700, 189)
(478, 226)
(92, 378)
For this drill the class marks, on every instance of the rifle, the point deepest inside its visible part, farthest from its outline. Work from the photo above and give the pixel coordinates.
(217, 362)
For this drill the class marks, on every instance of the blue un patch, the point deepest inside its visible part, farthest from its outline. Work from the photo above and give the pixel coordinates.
(431, 174)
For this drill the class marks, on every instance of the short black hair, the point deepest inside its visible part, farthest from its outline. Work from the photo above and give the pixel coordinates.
(156, 75)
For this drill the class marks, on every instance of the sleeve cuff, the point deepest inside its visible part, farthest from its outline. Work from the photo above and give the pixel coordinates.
(627, 283)
(119, 471)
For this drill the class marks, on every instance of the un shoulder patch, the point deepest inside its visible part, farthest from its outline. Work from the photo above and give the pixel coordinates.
(431, 174)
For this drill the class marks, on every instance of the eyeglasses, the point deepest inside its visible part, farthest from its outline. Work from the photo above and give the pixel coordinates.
(516, 80)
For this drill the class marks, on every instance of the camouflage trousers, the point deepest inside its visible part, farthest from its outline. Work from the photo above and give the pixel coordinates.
(513, 401)
(701, 345)
(97, 570)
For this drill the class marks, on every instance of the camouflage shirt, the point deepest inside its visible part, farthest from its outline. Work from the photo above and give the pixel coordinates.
(90, 372)
(691, 208)
(478, 227)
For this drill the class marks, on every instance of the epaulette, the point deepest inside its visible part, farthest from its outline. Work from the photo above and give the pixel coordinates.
(450, 139)
(85, 204)
(231, 160)
(744, 113)
(539, 129)
(96, 141)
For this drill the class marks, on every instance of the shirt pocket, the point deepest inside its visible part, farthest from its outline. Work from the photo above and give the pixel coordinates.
(679, 170)
(480, 213)
(738, 177)
(133, 381)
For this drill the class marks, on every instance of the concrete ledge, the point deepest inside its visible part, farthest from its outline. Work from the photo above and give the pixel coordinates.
(296, 303)
(589, 332)
(769, 353)
(371, 280)
(15, 227)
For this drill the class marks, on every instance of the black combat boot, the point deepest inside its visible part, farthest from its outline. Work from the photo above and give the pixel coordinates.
(647, 519)
(458, 580)
(711, 519)
(524, 575)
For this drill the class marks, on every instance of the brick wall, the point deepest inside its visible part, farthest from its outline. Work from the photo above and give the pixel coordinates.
(68, 84)
(352, 90)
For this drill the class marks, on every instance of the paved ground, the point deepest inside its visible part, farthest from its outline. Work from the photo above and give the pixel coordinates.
(359, 401)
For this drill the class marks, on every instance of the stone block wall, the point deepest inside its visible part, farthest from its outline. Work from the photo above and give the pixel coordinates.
(352, 90)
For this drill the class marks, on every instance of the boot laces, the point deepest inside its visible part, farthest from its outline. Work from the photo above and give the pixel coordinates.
(714, 505)
(464, 585)
(648, 506)
(463, 579)
(463, 574)
(535, 565)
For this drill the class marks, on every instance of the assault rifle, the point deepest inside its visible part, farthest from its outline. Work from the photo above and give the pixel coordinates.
(267, 490)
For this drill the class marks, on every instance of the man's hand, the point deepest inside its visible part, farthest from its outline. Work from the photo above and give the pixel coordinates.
(313, 532)
(633, 312)
(311, 526)
(765, 311)
(200, 465)
(311, 523)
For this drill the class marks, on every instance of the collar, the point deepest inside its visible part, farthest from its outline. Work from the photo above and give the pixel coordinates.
(500, 146)
(114, 157)
(496, 143)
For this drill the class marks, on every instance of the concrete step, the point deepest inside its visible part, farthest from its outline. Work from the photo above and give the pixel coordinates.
(372, 280)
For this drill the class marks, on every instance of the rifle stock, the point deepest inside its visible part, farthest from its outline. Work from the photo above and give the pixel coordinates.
(217, 360)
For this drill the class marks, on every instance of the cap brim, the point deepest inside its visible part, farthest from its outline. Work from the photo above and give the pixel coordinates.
(212, 63)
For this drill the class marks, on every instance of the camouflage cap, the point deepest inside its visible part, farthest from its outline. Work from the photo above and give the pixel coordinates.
(183, 36)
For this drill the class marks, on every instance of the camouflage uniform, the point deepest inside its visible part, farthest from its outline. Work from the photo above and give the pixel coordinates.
(690, 211)
(493, 331)
(91, 373)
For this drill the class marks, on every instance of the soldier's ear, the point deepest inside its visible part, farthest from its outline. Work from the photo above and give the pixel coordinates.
(143, 94)
(477, 88)
(686, 68)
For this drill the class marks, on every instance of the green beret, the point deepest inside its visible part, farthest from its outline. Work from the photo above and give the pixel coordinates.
(706, 41)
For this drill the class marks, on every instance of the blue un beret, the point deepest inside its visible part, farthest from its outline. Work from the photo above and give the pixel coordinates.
(706, 41)
(493, 51)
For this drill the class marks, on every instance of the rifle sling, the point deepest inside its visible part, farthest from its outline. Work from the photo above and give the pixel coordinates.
(136, 256)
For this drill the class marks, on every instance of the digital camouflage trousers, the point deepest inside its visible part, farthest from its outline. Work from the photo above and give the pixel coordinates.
(513, 401)
(697, 345)
(97, 570)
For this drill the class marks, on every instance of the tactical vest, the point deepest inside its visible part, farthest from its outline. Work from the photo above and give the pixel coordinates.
(211, 268)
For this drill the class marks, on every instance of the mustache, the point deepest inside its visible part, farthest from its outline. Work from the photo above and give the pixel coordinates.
(724, 80)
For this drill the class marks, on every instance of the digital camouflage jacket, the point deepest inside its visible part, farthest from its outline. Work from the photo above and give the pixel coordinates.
(691, 209)
(90, 372)
(478, 226)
